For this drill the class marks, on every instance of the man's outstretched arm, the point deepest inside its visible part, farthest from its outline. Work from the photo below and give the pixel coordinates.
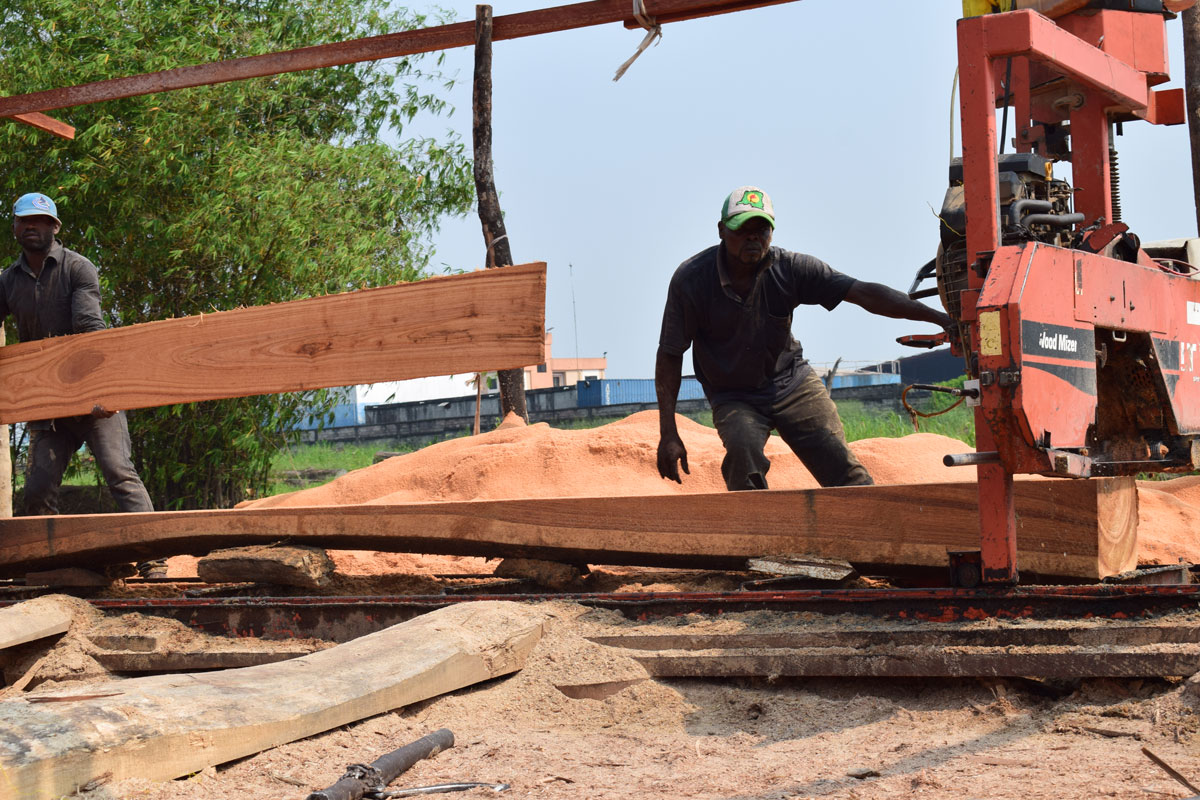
(888, 302)
(668, 374)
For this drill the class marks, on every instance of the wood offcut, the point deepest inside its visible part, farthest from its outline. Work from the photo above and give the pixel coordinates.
(165, 726)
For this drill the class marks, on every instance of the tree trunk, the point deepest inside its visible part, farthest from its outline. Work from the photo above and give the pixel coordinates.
(498, 253)
(1191, 60)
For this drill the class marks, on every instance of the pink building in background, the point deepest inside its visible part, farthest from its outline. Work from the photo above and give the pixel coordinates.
(563, 371)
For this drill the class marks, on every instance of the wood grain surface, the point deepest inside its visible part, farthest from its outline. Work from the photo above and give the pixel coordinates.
(32, 620)
(1081, 528)
(479, 321)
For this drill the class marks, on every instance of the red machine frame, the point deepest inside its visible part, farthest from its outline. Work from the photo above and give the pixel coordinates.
(1034, 312)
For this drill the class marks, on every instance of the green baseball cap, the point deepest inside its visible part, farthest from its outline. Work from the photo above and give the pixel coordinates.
(746, 202)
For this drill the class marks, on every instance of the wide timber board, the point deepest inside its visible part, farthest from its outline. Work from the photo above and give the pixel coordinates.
(480, 321)
(1081, 528)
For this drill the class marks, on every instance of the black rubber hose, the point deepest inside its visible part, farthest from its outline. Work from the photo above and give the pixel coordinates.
(1017, 209)
(1058, 220)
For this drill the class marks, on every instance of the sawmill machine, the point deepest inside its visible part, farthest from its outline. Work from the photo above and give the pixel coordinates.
(1080, 347)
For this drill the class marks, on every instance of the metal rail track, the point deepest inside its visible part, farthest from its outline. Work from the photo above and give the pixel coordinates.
(344, 618)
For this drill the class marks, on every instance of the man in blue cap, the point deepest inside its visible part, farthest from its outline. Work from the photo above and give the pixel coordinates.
(53, 291)
(734, 303)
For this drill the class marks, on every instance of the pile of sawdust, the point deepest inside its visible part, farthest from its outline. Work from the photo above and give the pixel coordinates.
(518, 461)
(1169, 520)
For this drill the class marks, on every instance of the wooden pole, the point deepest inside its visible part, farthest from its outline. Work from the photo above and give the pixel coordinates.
(478, 400)
(499, 253)
(1191, 61)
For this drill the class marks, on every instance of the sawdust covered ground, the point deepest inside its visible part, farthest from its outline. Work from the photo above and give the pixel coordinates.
(744, 739)
(730, 739)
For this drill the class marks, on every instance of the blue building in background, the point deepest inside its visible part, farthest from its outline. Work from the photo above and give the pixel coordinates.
(348, 411)
(619, 391)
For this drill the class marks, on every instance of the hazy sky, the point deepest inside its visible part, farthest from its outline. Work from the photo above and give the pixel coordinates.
(840, 111)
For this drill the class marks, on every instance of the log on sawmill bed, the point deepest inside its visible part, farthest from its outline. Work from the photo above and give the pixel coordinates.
(1081, 528)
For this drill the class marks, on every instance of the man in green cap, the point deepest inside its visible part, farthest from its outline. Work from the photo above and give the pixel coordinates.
(733, 303)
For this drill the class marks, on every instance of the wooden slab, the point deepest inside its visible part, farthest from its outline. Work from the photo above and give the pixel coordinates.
(189, 660)
(1080, 528)
(927, 662)
(1084, 634)
(285, 565)
(480, 321)
(165, 726)
(68, 577)
(32, 620)
(1055, 649)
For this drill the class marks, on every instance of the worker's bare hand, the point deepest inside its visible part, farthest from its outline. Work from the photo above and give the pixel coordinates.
(672, 455)
(100, 412)
(949, 326)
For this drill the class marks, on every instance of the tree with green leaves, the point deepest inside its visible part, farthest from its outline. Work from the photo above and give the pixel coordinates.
(237, 194)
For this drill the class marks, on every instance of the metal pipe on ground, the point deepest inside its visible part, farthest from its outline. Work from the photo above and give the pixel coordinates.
(374, 777)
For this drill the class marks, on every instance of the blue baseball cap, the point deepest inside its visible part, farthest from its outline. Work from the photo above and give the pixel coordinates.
(34, 203)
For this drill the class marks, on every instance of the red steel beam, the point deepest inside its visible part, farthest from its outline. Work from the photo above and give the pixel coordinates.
(1027, 33)
(390, 45)
(47, 124)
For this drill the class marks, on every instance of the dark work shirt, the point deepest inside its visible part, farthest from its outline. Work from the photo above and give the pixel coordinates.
(744, 348)
(63, 299)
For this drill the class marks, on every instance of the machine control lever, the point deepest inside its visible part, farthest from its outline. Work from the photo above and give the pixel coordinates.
(927, 341)
(966, 391)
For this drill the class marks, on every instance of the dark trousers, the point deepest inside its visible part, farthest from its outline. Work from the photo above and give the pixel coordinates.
(806, 419)
(50, 452)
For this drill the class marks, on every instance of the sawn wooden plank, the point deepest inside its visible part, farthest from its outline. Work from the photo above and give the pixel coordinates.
(1081, 528)
(927, 662)
(32, 620)
(479, 321)
(165, 726)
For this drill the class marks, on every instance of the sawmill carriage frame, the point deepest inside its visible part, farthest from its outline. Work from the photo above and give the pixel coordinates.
(1009, 420)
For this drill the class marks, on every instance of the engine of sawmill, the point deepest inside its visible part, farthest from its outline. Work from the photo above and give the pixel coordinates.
(1034, 206)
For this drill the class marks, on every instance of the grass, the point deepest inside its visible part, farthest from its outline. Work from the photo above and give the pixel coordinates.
(347, 456)
(325, 455)
(958, 423)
